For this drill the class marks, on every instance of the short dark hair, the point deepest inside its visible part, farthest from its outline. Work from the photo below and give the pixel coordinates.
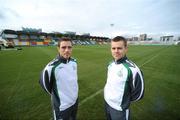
(120, 38)
(64, 39)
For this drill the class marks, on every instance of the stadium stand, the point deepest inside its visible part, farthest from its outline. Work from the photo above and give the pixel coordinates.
(7, 38)
(35, 37)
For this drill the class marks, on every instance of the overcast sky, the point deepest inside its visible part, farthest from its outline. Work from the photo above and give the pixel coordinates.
(97, 17)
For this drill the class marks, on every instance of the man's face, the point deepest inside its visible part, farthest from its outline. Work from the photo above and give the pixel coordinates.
(65, 49)
(118, 49)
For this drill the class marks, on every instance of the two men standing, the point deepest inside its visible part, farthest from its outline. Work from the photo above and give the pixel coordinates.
(124, 82)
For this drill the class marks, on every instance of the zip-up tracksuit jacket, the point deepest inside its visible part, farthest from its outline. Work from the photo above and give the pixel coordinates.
(124, 84)
(59, 79)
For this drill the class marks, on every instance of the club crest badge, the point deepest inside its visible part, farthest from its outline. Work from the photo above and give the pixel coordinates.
(120, 73)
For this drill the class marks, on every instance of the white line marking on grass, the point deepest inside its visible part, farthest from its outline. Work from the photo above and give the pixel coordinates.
(91, 96)
(149, 60)
(101, 90)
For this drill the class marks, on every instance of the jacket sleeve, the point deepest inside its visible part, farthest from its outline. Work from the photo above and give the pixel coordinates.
(137, 90)
(45, 81)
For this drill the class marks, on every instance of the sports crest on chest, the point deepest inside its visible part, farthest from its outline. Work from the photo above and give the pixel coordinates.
(120, 72)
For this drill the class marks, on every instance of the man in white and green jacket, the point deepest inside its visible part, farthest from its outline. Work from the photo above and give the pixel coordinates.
(59, 79)
(124, 82)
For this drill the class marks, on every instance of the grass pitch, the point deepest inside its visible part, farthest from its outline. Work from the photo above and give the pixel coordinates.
(23, 98)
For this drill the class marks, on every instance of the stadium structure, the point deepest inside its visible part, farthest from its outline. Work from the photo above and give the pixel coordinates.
(6, 39)
(35, 37)
(163, 40)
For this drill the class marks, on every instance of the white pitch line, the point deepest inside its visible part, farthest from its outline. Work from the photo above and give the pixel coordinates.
(101, 90)
(91, 96)
(149, 60)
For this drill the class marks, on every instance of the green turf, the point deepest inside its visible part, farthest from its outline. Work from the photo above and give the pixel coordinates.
(23, 98)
